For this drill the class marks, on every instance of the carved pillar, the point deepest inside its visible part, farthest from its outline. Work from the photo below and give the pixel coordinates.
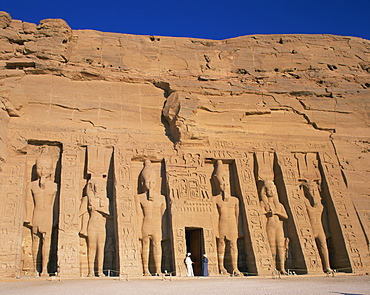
(11, 216)
(261, 261)
(70, 194)
(349, 225)
(126, 220)
(302, 226)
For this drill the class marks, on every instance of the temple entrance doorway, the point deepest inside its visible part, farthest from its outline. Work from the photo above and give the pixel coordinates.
(195, 245)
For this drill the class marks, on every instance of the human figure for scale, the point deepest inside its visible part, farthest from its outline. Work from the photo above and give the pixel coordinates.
(275, 214)
(39, 211)
(189, 266)
(98, 208)
(315, 210)
(205, 266)
(150, 209)
(228, 213)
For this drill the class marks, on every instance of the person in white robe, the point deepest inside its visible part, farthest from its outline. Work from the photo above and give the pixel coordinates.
(189, 266)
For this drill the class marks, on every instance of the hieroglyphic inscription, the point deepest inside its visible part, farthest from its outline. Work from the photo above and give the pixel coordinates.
(11, 217)
(211, 250)
(301, 221)
(186, 178)
(233, 148)
(250, 201)
(70, 193)
(364, 216)
(179, 243)
(346, 213)
(128, 240)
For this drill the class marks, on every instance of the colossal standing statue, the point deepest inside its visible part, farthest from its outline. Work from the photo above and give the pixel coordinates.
(150, 209)
(228, 216)
(98, 208)
(275, 214)
(315, 214)
(40, 198)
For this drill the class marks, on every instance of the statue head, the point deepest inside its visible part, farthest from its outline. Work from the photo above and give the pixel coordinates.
(44, 164)
(96, 187)
(270, 188)
(148, 176)
(311, 191)
(221, 177)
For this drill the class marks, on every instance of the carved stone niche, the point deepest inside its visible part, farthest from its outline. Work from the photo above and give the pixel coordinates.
(313, 219)
(152, 232)
(97, 229)
(274, 207)
(345, 243)
(41, 209)
(228, 217)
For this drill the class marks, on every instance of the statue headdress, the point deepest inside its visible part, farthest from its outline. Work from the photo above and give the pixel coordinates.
(44, 157)
(220, 171)
(147, 171)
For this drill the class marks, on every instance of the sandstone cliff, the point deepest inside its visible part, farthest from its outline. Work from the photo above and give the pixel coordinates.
(170, 93)
(55, 77)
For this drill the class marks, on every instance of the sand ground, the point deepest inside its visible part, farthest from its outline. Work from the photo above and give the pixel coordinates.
(339, 285)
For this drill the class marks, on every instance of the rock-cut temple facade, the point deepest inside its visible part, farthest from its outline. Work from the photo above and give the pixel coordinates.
(120, 154)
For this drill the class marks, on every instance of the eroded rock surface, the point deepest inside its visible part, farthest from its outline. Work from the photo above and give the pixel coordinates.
(184, 104)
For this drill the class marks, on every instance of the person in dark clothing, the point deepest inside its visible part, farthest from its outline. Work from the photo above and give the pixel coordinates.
(205, 266)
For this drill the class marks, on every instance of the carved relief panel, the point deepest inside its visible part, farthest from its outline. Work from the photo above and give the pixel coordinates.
(69, 224)
(126, 219)
(11, 216)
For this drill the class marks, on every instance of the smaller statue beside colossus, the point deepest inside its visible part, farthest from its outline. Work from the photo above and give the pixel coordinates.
(275, 214)
(228, 217)
(39, 205)
(315, 210)
(150, 209)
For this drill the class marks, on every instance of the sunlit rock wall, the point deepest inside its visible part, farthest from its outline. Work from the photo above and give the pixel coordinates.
(289, 108)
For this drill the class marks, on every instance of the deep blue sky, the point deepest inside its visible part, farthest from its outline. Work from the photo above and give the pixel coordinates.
(217, 19)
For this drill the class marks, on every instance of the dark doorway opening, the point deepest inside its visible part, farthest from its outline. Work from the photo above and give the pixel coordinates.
(195, 245)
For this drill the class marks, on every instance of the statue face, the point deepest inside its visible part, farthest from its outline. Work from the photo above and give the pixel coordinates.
(270, 188)
(96, 188)
(224, 184)
(149, 183)
(312, 191)
(43, 168)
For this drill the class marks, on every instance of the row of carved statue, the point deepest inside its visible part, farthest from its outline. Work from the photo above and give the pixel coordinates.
(150, 208)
